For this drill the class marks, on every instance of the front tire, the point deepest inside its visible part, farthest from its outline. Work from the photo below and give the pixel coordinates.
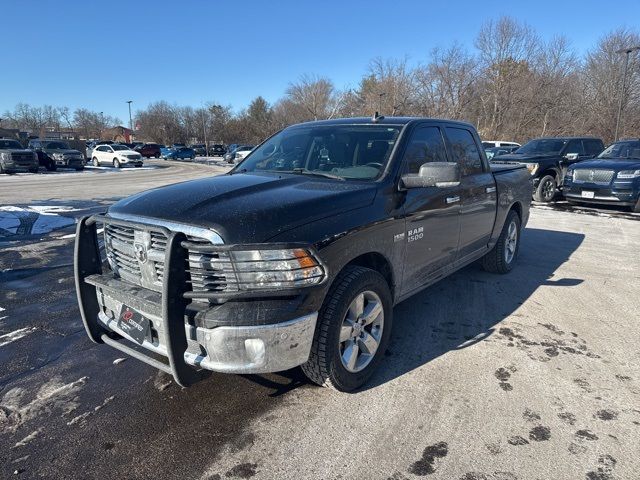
(353, 330)
(116, 163)
(157, 155)
(504, 254)
(95, 161)
(546, 190)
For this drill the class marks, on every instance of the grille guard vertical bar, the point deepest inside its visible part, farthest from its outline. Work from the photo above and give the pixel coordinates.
(173, 310)
(86, 261)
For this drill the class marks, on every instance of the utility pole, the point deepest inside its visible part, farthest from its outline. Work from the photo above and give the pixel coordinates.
(627, 52)
(130, 120)
(204, 132)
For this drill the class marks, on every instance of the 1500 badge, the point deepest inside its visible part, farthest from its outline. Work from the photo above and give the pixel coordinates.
(415, 234)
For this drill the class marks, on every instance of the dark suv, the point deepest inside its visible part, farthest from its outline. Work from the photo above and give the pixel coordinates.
(217, 150)
(548, 159)
(58, 153)
(149, 150)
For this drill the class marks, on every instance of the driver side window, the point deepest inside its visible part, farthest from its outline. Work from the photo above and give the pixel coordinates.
(426, 145)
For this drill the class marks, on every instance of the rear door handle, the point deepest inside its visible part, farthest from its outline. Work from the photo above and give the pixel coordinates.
(490, 189)
(453, 199)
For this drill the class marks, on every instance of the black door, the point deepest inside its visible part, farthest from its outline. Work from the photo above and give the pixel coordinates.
(478, 192)
(432, 214)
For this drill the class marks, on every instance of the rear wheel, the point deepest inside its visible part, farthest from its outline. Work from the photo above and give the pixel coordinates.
(157, 155)
(546, 189)
(503, 255)
(636, 209)
(116, 163)
(353, 330)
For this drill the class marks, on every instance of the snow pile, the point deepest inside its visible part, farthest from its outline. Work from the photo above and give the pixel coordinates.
(33, 220)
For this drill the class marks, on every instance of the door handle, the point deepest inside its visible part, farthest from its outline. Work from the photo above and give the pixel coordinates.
(453, 199)
(490, 189)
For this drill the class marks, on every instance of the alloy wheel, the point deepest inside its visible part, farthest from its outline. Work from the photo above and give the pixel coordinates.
(361, 331)
(511, 242)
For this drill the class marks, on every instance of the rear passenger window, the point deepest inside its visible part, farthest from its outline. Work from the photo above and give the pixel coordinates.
(464, 150)
(425, 146)
(575, 146)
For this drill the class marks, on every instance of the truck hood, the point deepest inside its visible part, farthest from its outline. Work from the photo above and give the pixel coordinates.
(248, 207)
(616, 165)
(63, 151)
(521, 158)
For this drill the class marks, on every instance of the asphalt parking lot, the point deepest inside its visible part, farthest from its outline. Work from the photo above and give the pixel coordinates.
(533, 375)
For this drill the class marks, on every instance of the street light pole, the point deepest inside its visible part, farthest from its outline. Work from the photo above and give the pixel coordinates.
(130, 121)
(204, 131)
(626, 51)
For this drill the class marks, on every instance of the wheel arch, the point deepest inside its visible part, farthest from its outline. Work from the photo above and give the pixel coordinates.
(377, 262)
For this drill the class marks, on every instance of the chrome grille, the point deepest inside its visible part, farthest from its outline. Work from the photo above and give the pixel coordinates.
(208, 271)
(599, 177)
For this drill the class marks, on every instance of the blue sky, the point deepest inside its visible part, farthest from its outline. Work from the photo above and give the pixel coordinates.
(98, 54)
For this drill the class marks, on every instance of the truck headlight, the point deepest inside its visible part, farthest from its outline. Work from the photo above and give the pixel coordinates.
(257, 269)
(58, 156)
(627, 174)
(532, 167)
(267, 269)
(5, 156)
(569, 174)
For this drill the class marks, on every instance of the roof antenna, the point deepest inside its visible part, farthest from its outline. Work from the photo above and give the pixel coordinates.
(377, 117)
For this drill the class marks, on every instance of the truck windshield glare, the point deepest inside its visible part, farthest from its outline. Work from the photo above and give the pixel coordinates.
(343, 151)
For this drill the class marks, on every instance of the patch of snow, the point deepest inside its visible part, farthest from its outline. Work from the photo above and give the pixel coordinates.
(16, 411)
(119, 360)
(7, 338)
(28, 438)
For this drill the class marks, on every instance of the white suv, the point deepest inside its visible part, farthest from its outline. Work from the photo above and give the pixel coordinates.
(115, 155)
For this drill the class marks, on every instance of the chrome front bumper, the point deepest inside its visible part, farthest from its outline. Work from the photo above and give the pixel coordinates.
(254, 349)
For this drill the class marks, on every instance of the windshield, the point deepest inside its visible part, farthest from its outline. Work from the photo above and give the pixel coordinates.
(57, 146)
(622, 151)
(342, 151)
(543, 146)
(10, 144)
(119, 147)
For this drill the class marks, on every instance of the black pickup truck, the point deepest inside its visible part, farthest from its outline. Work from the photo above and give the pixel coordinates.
(297, 255)
(548, 159)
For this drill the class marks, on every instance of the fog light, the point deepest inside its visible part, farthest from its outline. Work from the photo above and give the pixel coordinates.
(255, 350)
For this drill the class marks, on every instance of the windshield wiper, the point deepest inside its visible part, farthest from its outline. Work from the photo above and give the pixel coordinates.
(304, 171)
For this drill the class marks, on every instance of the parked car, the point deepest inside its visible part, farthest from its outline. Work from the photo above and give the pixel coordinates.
(240, 152)
(180, 153)
(612, 178)
(217, 150)
(498, 143)
(177, 145)
(149, 150)
(164, 151)
(495, 151)
(59, 153)
(14, 157)
(347, 218)
(92, 145)
(547, 159)
(229, 154)
(200, 149)
(115, 155)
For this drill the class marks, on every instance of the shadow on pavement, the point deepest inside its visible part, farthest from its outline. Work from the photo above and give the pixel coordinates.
(464, 308)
